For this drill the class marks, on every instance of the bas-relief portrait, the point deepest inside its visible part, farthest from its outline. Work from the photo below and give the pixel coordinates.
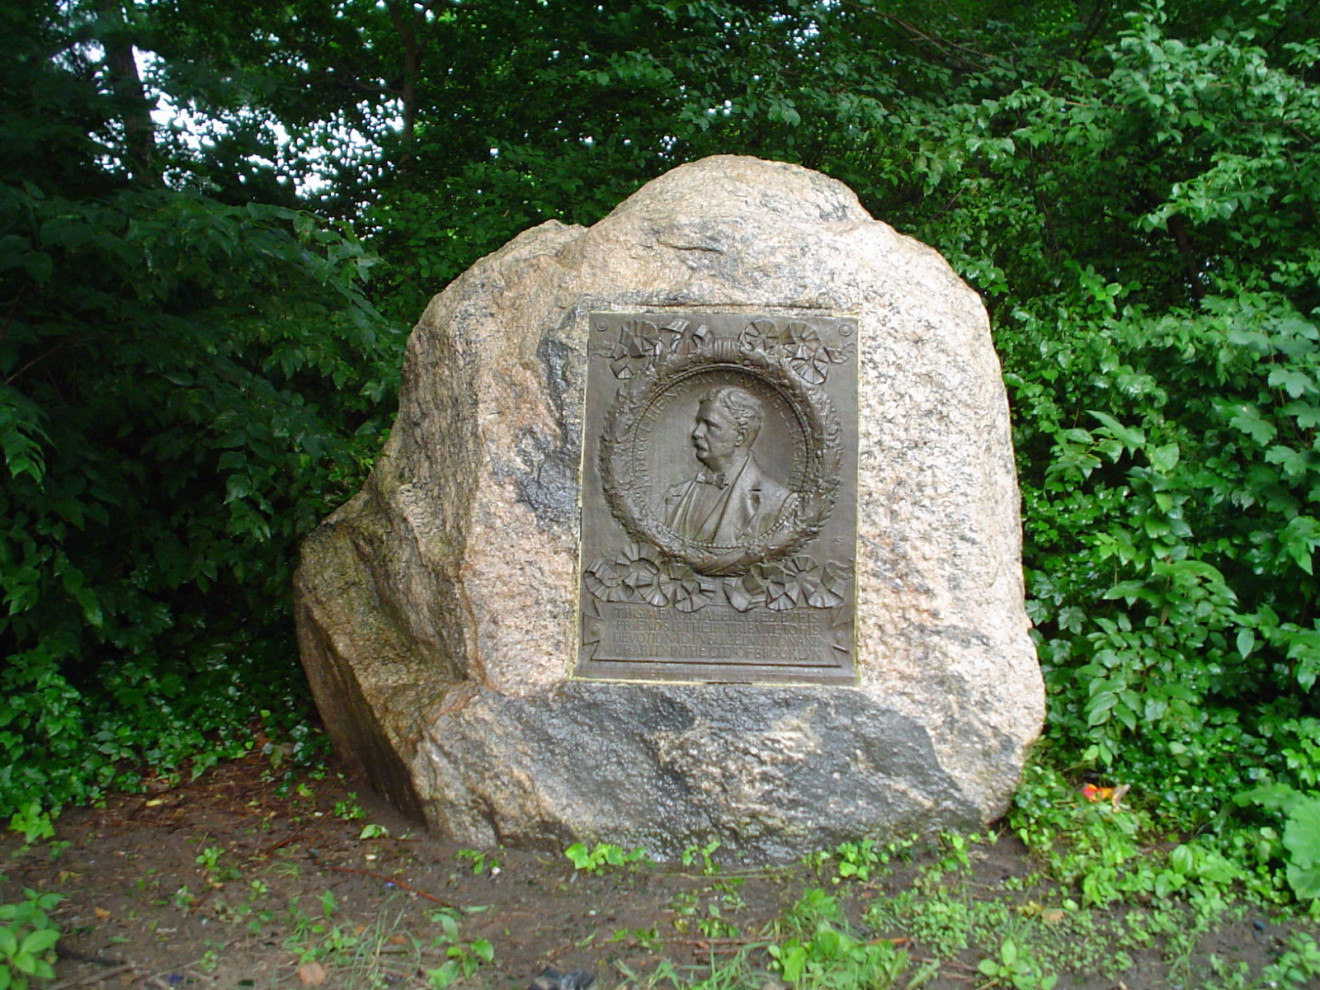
(730, 499)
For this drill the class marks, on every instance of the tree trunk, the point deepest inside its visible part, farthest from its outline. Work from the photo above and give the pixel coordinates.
(407, 30)
(126, 84)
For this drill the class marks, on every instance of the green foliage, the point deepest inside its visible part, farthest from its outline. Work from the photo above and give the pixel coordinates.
(1133, 194)
(1195, 534)
(1300, 842)
(348, 808)
(938, 919)
(186, 387)
(821, 951)
(599, 856)
(34, 822)
(857, 859)
(370, 954)
(462, 959)
(1299, 966)
(27, 940)
(705, 854)
(1012, 968)
(481, 861)
(1110, 852)
(1162, 365)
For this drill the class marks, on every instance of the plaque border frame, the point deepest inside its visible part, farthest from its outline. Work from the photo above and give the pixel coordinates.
(701, 673)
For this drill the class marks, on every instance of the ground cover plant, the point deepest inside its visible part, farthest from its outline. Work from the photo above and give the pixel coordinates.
(201, 316)
(242, 879)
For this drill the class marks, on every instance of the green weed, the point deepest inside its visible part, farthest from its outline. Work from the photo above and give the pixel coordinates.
(603, 854)
(857, 859)
(462, 959)
(27, 940)
(1300, 841)
(645, 938)
(1014, 968)
(820, 950)
(348, 809)
(36, 823)
(480, 861)
(1298, 966)
(694, 852)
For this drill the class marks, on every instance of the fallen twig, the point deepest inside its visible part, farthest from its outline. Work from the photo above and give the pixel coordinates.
(720, 945)
(394, 881)
(287, 840)
(108, 974)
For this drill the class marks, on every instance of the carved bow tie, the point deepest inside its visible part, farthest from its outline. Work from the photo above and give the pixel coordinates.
(717, 478)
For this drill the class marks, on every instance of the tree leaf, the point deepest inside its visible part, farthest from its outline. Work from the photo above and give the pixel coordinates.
(1301, 835)
(39, 941)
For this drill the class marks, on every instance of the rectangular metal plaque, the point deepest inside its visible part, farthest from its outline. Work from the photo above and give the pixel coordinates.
(719, 498)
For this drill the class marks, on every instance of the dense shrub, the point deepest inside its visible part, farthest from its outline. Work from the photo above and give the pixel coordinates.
(186, 387)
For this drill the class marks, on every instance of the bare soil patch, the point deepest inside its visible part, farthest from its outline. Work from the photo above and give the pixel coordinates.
(224, 882)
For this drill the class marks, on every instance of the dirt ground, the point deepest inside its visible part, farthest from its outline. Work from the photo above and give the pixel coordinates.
(223, 882)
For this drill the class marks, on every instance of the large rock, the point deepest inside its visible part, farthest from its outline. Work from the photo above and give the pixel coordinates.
(437, 609)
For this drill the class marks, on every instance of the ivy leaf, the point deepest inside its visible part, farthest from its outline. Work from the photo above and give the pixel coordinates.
(1247, 418)
(1295, 383)
(1293, 462)
(1299, 538)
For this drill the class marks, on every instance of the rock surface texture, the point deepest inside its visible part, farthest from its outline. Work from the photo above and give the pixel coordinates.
(437, 608)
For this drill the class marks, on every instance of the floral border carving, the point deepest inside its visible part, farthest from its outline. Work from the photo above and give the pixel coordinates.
(641, 575)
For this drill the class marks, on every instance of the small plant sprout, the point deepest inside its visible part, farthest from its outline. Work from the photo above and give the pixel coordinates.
(34, 822)
(349, 809)
(1016, 969)
(694, 852)
(857, 859)
(603, 854)
(480, 861)
(462, 959)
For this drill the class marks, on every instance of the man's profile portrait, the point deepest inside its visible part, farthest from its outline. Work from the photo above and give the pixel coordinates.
(730, 500)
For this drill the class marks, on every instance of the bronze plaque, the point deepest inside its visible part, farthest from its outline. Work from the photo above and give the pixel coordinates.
(719, 498)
